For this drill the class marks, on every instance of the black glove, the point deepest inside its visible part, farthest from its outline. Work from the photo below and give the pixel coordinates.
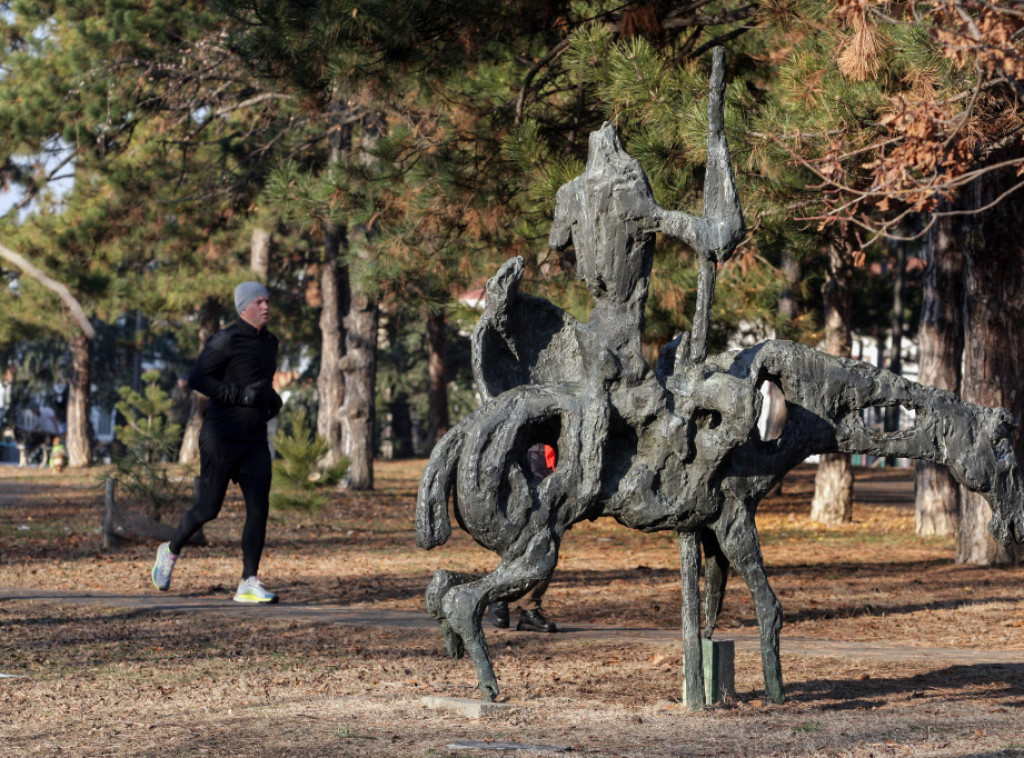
(275, 405)
(255, 394)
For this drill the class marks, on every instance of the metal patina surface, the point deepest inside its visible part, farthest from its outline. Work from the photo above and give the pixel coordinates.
(676, 448)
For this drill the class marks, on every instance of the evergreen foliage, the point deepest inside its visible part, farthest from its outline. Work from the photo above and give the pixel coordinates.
(149, 442)
(299, 484)
(181, 125)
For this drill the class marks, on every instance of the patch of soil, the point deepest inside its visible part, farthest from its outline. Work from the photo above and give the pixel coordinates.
(117, 682)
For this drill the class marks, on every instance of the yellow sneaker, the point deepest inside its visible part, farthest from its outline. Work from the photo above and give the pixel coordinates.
(251, 590)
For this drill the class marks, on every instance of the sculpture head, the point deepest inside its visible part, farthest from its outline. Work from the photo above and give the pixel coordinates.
(608, 213)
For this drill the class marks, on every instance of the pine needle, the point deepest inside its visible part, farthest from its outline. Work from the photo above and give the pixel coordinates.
(859, 60)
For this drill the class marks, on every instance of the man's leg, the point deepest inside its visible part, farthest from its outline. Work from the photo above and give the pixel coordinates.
(531, 617)
(214, 475)
(215, 472)
(531, 601)
(254, 478)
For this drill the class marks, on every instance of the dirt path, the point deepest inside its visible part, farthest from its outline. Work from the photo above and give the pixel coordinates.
(398, 619)
(889, 648)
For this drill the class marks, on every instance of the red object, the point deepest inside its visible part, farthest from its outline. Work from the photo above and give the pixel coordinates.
(549, 457)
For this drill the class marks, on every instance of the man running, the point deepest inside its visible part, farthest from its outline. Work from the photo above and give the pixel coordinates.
(235, 371)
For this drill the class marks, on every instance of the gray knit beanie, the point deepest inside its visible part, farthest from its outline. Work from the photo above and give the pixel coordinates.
(246, 292)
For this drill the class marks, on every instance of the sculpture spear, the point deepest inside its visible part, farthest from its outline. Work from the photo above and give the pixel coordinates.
(719, 230)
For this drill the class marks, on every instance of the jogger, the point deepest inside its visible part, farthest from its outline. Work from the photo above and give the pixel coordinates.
(235, 371)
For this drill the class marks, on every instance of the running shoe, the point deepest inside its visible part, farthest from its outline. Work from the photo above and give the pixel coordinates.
(163, 567)
(251, 590)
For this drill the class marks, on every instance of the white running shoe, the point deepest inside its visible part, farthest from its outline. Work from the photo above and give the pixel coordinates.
(163, 567)
(251, 590)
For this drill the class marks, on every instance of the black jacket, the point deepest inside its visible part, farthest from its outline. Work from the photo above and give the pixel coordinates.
(235, 371)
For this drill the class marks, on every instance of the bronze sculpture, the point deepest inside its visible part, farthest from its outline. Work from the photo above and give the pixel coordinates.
(675, 448)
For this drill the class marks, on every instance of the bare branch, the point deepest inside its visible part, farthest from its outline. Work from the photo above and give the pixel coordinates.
(77, 312)
(555, 52)
(251, 102)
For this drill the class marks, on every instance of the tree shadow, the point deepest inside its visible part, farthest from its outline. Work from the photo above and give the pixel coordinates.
(986, 681)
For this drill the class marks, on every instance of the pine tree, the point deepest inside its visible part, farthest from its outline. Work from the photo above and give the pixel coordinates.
(404, 195)
(300, 482)
(916, 123)
(149, 442)
(164, 144)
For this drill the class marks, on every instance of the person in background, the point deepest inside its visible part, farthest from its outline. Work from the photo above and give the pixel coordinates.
(541, 459)
(58, 455)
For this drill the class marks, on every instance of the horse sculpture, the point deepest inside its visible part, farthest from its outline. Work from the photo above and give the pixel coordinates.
(676, 448)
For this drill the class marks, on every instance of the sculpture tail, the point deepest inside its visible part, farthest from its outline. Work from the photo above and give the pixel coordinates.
(433, 527)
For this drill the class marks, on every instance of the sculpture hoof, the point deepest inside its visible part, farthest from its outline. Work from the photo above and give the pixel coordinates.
(490, 690)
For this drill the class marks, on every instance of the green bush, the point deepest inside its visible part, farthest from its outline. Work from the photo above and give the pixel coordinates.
(299, 482)
(144, 469)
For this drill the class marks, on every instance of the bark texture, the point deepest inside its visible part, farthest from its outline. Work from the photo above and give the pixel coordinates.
(360, 369)
(833, 485)
(79, 440)
(993, 350)
(209, 323)
(941, 343)
(359, 366)
(334, 291)
(259, 252)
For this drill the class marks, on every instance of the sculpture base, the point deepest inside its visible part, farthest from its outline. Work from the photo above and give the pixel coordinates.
(468, 707)
(719, 671)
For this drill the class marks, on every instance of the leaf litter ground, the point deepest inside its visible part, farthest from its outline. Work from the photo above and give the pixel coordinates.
(93, 681)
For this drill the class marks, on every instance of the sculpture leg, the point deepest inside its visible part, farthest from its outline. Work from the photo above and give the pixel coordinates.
(463, 608)
(439, 586)
(740, 546)
(463, 605)
(716, 575)
(693, 657)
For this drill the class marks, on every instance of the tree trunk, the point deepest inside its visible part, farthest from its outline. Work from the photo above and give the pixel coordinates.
(993, 350)
(361, 325)
(788, 306)
(437, 360)
(360, 369)
(833, 484)
(259, 252)
(941, 345)
(79, 441)
(209, 323)
(334, 291)
(899, 275)
(330, 383)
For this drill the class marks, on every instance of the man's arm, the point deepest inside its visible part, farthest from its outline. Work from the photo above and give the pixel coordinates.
(206, 374)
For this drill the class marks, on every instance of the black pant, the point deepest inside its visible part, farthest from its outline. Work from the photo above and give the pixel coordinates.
(222, 460)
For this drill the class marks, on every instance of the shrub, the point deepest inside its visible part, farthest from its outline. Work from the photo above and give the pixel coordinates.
(299, 482)
(143, 470)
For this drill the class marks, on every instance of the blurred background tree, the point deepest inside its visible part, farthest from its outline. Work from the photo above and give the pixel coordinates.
(374, 162)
